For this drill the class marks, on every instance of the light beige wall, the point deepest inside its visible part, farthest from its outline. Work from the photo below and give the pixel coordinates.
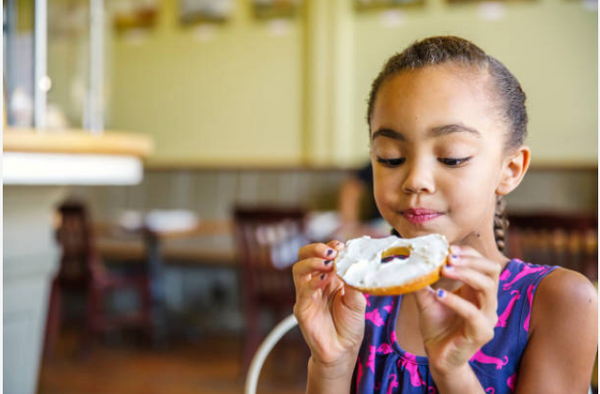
(249, 95)
(237, 96)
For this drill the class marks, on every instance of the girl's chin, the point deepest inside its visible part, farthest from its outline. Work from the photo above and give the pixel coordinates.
(413, 233)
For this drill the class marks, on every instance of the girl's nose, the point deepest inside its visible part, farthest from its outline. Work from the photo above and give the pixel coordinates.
(419, 179)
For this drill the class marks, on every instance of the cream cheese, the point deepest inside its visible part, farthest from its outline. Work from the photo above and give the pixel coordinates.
(360, 265)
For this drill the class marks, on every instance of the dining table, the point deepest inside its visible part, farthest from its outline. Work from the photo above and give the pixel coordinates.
(205, 243)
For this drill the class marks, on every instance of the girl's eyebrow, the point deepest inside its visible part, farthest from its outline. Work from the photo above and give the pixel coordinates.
(393, 134)
(433, 132)
(452, 128)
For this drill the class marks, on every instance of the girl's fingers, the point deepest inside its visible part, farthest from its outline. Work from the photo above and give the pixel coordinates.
(480, 326)
(471, 277)
(303, 270)
(353, 299)
(335, 283)
(323, 251)
(335, 244)
(489, 268)
(485, 286)
(460, 250)
(310, 293)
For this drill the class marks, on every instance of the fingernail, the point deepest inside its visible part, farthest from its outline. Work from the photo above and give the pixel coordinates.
(441, 293)
(454, 257)
(449, 267)
(322, 276)
(329, 252)
(327, 262)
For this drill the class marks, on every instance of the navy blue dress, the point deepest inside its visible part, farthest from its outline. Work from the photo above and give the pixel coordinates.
(383, 367)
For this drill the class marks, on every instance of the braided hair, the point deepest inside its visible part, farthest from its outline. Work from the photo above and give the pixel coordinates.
(506, 90)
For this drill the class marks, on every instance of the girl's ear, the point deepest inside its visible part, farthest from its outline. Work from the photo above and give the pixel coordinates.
(513, 170)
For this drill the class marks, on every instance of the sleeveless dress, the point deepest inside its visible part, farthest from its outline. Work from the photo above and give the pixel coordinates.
(383, 367)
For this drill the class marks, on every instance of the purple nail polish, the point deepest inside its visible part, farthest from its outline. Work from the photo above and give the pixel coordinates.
(329, 252)
(449, 267)
(327, 262)
(441, 293)
(322, 276)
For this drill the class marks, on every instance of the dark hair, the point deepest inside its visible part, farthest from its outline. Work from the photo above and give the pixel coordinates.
(458, 51)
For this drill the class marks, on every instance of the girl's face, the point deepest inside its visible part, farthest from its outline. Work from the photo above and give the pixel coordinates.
(437, 153)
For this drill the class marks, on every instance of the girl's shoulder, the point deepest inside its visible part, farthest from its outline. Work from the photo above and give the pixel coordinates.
(558, 291)
(563, 333)
(563, 294)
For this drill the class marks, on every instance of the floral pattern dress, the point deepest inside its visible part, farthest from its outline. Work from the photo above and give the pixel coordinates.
(383, 367)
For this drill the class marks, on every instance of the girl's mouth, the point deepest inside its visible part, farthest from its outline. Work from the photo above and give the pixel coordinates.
(420, 215)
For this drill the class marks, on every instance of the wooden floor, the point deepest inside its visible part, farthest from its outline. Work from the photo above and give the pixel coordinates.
(210, 366)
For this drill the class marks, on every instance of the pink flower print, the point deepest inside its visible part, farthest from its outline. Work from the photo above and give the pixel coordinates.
(410, 363)
(384, 348)
(490, 390)
(527, 270)
(367, 296)
(485, 359)
(359, 373)
(393, 384)
(431, 390)
(388, 308)
(511, 382)
(530, 299)
(371, 360)
(374, 317)
(505, 275)
(511, 304)
(393, 336)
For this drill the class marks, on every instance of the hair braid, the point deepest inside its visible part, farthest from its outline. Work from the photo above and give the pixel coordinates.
(500, 223)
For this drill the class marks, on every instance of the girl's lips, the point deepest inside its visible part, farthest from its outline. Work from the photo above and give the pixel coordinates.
(420, 215)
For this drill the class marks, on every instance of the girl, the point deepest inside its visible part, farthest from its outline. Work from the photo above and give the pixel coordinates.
(447, 124)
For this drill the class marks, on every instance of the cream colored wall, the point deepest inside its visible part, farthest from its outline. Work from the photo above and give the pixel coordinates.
(235, 97)
(250, 96)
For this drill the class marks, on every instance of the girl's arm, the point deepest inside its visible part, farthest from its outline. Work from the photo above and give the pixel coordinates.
(331, 318)
(462, 380)
(564, 336)
(329, 379)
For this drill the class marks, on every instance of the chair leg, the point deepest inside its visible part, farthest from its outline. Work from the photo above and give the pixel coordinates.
(92, 316)
(53, 320)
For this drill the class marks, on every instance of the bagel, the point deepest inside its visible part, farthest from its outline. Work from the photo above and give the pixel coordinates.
(360, 264)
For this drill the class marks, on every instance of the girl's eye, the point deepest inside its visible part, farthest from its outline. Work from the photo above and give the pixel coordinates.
(450, 162)
(391, 162)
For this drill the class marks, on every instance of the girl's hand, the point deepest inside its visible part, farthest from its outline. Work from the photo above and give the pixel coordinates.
(455, 326)
(331, 316)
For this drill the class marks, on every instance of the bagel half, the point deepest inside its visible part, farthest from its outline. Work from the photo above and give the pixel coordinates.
(360, 264)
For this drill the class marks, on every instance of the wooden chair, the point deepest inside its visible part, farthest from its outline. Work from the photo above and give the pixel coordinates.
(268, 241)
(567, 240)
(81, 271)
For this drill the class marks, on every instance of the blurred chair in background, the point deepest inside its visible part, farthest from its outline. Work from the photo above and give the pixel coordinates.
(268, 241)
(570, 241)
(81, 271)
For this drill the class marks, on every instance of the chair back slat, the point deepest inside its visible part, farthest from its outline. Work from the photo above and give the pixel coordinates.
(75, 236)
(268, 242)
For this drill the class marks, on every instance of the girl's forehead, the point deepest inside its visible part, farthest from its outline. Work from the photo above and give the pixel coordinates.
(435, 96)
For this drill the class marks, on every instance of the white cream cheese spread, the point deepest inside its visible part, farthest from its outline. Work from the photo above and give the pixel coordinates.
(360, 263)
